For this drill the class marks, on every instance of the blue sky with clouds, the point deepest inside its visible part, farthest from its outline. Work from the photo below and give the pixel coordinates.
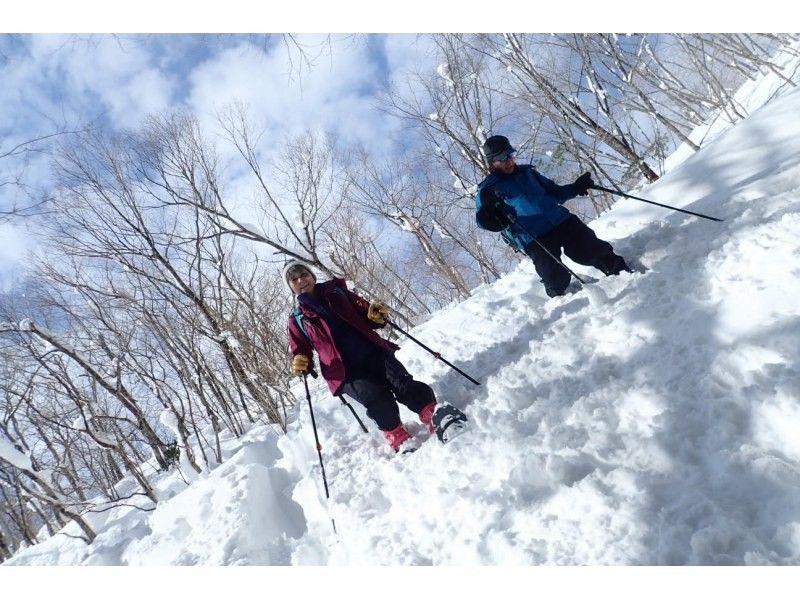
(118, 79)
(55, 82)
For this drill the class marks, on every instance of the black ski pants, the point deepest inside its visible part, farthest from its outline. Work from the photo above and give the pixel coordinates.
(581, 245)
(383, 382)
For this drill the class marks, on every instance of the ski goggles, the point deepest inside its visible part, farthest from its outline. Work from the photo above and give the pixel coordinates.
(503, 156)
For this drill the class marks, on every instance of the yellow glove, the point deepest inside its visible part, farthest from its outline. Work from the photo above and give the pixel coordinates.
(300, 365)
(378, 312)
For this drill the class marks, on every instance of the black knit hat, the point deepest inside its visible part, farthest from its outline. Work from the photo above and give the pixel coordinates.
(497, 147)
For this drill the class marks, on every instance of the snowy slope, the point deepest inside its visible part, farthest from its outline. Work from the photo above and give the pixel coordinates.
(657, 427)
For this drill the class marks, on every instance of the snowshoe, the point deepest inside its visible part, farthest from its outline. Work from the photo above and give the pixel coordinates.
(448, 422)
(409, 446)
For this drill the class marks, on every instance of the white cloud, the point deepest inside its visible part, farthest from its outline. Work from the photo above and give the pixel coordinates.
(55, 80)
(148, 91)
(14, 254)
(335, 94)
(98, 73)
(407, 53)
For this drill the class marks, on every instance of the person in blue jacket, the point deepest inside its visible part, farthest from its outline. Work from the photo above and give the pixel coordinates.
(527, 208)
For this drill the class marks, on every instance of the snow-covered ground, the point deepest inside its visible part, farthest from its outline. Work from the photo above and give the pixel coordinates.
(658, 426)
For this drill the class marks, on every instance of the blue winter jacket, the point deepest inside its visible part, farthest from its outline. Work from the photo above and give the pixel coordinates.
(531, 200)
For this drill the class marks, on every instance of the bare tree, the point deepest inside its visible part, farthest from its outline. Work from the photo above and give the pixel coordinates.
(35, 483)
(150, 243)
(397, 199)
(296, 199)
(26, 201)
(615, 105)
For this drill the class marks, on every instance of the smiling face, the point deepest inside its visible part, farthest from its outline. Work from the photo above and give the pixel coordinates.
(301, 280)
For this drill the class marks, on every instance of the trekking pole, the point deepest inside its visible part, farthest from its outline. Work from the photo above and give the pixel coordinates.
(348, 405)
(432, 352)
(555, 259)
(319, 448)
(596, 294)
(558, 261)
(353, 411)
(655, 203)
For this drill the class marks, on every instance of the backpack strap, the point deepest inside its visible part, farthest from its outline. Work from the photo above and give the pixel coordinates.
(298, 317)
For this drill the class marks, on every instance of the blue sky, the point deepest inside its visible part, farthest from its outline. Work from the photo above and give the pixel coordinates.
(59, 81)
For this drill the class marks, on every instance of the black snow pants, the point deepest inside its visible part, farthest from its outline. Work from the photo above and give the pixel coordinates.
(382, 382)
(581, 245)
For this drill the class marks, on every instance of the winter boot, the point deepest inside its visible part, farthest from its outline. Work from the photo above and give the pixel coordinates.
(397, 437)
(426, 416)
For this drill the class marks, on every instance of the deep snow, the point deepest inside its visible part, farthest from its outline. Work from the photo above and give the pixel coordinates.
(658, 427)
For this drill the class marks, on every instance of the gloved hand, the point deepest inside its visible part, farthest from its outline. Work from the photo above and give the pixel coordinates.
(491, 200)
(378, 312)
(495, 214)
(582, 183)
(300, 365)
(506, 216)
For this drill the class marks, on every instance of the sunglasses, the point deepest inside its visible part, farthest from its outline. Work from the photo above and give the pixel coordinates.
(504, 156)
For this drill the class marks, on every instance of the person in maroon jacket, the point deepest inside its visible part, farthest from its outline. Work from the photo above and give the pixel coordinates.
(353, 358)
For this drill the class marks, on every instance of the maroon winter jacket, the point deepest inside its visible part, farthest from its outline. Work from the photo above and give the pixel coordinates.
(349, 307)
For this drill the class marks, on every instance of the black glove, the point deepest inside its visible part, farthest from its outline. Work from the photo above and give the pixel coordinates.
(582, 184)
(495, 215)
(491, 200)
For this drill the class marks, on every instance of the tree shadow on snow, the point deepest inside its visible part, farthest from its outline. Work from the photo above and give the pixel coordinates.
(724, 497)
